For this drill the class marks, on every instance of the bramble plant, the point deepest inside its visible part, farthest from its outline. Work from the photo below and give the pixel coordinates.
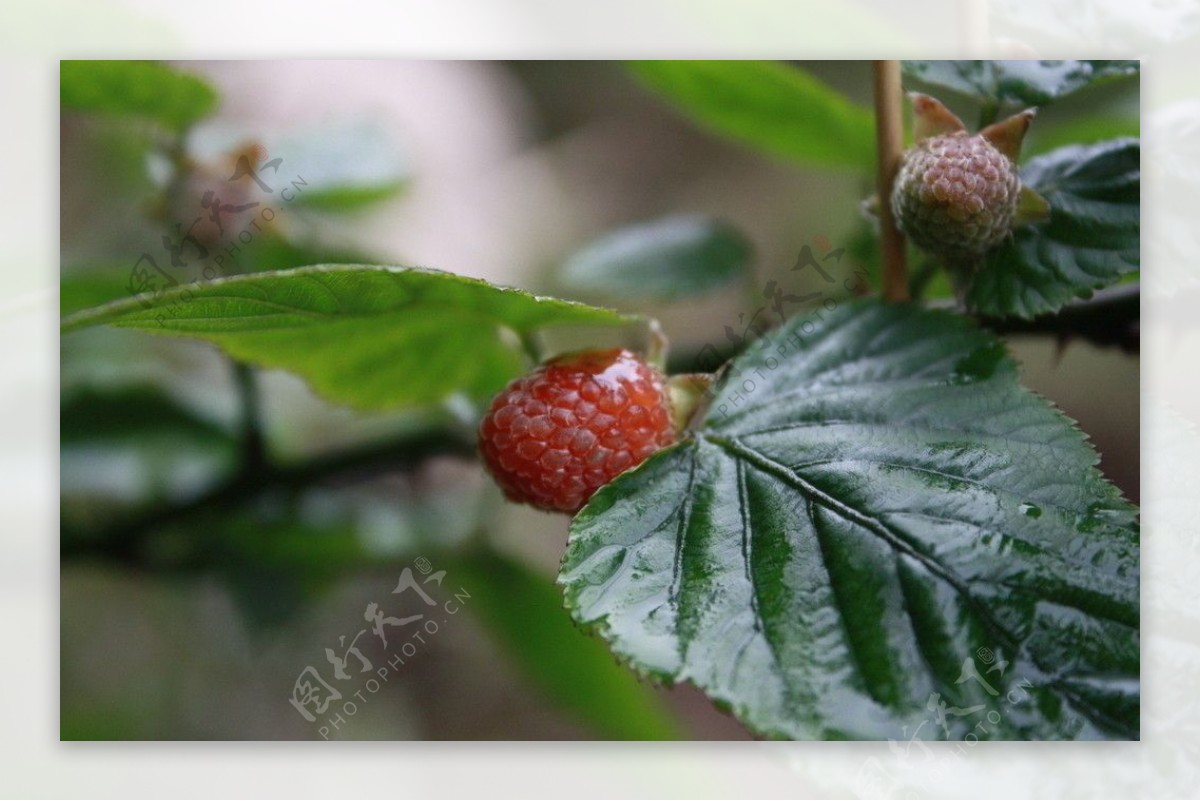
(856, 522)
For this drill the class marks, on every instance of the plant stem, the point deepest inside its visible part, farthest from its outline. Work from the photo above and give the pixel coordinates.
(254, 453)
(889, 141)
(1109, 319)
(125, 540)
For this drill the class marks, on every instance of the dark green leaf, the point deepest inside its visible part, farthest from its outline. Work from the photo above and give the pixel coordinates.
(368, 336)
(1091, 240)
(524, 612)
(664, 260)
(873, 508)
(344, 167)
(771, 106)
(1027, 83)
(136, 88)
(126, 413)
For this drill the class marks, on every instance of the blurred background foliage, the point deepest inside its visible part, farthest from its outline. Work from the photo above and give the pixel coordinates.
(194, 591)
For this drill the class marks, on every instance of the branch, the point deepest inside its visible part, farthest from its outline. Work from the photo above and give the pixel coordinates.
(1110, 318)
(125, 540)
(889, 142)
(254, 449)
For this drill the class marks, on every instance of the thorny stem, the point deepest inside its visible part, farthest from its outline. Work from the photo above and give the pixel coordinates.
(1109, 319)
(889, 141)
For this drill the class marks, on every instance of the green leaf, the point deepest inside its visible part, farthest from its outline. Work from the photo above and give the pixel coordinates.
(872, 508)
(1091, 239)
(136, 88)
(524, 612)
(82, 289)
(1082, 131)
(660, 261)
(771, 106)
(1026, 83)
(368, 336)
(345, 166)
(123, 414)
(271, 252)
(134, 444)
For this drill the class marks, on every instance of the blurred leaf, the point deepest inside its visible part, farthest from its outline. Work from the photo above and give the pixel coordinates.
(108, 720)
(873, 508)
(1091, 240)
(367, 336)
(771, 106)
(274, 252)
(1027, 83)
(269, 597)
(276, 568)
(1079, 131)
(133, 412)
(345, 167)
(524, 612)
(286, 543)
(136, 88)
(133, 445)
(92, 286)
(664, 260)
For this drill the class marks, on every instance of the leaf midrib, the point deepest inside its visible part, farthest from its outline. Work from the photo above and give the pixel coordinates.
(740, 451)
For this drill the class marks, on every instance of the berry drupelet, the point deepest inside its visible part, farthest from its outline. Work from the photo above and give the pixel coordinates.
(555, 436)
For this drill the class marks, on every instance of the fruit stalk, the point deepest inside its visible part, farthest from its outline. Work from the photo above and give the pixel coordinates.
(889, 142)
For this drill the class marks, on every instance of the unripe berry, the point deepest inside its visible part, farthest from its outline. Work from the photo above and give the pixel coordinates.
(958, 195)
(555, 436)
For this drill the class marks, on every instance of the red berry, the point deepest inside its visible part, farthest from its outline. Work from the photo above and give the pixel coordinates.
(554, 437)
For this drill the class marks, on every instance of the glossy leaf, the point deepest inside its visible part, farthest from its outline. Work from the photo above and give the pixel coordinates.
(664, 260)
(774, 107)
(1091, 239)
(523, 611)
(1027, 83)
(874, 524)
(368, 336)
(145, 89)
